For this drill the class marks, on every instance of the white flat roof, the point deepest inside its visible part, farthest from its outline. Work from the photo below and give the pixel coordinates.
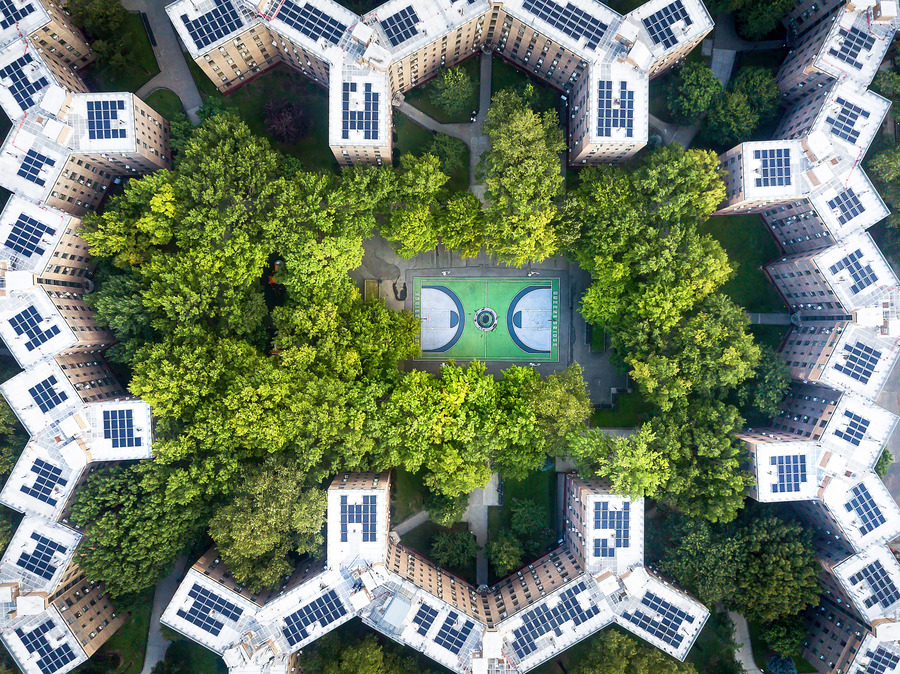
(357, 526)
(851, 117)
(32, 156)
(23, 78)
(859, 429)
(613, 532)
(32, 328)
(857, 272)
(38, 555)
(861, 362)
(786, 471)
(318, 25)
(29, 233)
(102, 122)
(119, 430)
(20, 17)
(40, 395)
(864, 509)
(359, 107)
(205, 24)
(774, 170)
(619, 109)
(50, 643)
(665, 25)
(849, 203)
(855, 46)
(872, 579)
(875, 652)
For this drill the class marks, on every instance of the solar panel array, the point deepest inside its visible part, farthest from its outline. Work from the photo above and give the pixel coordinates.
(870, 515)
(666, 625)
(45, 396)
(365, 120)
(118, 426)
(48, 478)
(856, 429)
(400, 26)
(884, 592)
(847, 205)
(542, 620)
(101, 115)
(860, 362)
(23, 90)
(32, 165)
(50, 659)
(775, 169)
(201, 611)
(604, 518)
(424, 618)
(311, 21)
(852, 42)
(659, 24)
(843, 125)
(38, 562)
(10, 14)
(324, 610)
(26, 235)
(452, 638)
(574, 22)
(881, 661)
(214, 25)
(364, 513)
(27, 323)
(615, 113)
(791, 471)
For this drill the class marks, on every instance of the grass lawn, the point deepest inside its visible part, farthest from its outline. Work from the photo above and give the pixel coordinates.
(769, 334)
(632, 410)
(279, 83)
(409, 494)
(196, 658)
(141, 68)
(505, 75)
(419, 539)
(749, 246)
(166, 103)
(205, 86)
(420, 96)
(659, 93)
(130, 641)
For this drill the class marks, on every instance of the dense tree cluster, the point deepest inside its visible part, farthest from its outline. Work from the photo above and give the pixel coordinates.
(333, 654)
(755, 19)
(613, 652)
(258, 397)
(453, 91)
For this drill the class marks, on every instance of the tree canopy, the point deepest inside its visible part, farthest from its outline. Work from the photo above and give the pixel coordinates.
(613, 652)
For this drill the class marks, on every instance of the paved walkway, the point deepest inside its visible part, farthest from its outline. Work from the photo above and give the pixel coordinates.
(165, 590)
(889, 399)
(411, 523)
(744, 653)
(174, 73)
(477, 517)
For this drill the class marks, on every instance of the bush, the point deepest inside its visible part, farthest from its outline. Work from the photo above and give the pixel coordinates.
(453, 90)
(884, 462)
(446, 510)
(777, 665)
(694, 92)
(285, 121)
(785, 636)
(505, 553)
(453, 548)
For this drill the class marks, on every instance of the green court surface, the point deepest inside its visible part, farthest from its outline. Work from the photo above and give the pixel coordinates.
(512, 319)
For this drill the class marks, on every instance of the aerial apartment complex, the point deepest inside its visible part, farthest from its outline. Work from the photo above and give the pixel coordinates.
(601, 59)
(596, 577)
(65, 149)
(820, 452)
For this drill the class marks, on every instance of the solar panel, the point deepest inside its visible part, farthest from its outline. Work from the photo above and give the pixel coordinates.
(365, 120)
(541, 620)
(48, 477)
(452, 638)
(659, 24)
(50, 659)
(856, 429)
(362, 513)
(884, 592)
(424, 618)
(843, 125)
(791, 470)
(26, 235)
(860, 361)
(214, 25)
(870, 516)
(208, 610)
(401, 26)
(101, 115)
(118, 426)
(32, 165)
(23, 89)
(38, 562)
(45, 396)
(10, 14)
(775, 169)
(847, 205)
(28, 323)
(881, 661)
(615, 112)
(851, 43)
(324, 610)
(618, 520)
(311, 21)
(665, 624)
(574, 22)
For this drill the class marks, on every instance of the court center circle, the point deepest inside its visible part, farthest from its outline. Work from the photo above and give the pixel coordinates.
(486, 319)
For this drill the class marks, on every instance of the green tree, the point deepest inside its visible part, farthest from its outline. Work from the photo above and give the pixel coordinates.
(453, 91)
(768, 386)
(694, 91)
(758, 85)
(505, 553)
(522, 180)
(786, 636)
(885, 459)
(887, 83)
(333, 654)
(731, 119)
(13, 438)
(117, 304)
(452, 153)
(453, 549)
(529, 518)
(268, 522)
(445, 511)
(461, 224)
(756, 19)
(702, 560)
(410, 221)
(102, 22)
(613, 652)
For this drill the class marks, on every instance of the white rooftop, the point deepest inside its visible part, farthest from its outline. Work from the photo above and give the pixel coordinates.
(40, 395)
(102, 122)
(32, 328)
(204, 24)
(858, 429)
(619, 104)
(359, 107)
(864, 509)
(848, 203)
(23, 78)
(119, 429)
(29, 233)
(667, 24)
(18, 18)
(774, 170)
(612, 533)
(883, 656)
(851, 117)
(857, 272)
(33, 155)
(855, 46)
(43, 643)
(786, 471)
(357, 526)
(872, 579)
(37, 555)
(861, 361)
